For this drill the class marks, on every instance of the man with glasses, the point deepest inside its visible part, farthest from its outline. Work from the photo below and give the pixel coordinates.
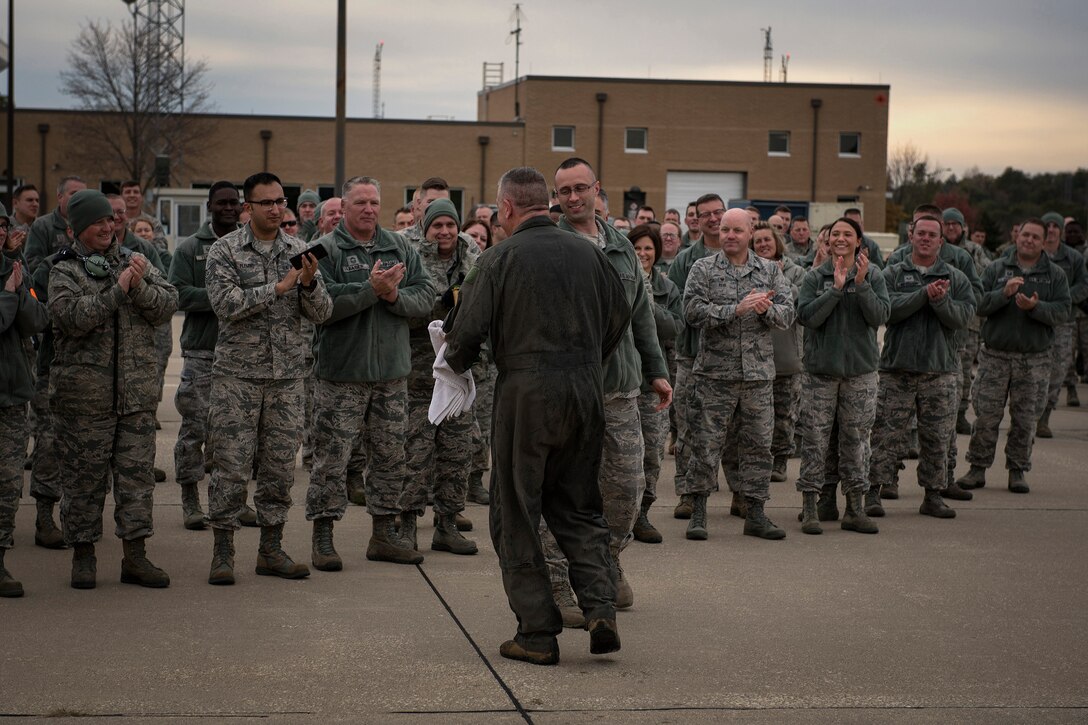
(259, 298)
(670, 245)
(104, 302)
(192, 451)
(638, 356)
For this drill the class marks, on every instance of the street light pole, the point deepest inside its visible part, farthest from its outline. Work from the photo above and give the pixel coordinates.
(341, 84)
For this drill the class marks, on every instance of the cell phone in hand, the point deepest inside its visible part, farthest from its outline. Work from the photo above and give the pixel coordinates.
(318, 250)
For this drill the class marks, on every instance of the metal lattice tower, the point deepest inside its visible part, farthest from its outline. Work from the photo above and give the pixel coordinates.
(160, 34)
(768, 56)
(378, 79)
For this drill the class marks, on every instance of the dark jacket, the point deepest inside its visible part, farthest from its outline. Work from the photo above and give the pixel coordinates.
(546, 300)
(687, 342)
(21, 315)
(1007, 327)
(201, 327)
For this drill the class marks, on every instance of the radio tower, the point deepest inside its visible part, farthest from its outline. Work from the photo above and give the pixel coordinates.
(378, 79)
(768, 56)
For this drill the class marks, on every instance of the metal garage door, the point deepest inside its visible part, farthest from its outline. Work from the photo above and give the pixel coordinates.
(682, 187)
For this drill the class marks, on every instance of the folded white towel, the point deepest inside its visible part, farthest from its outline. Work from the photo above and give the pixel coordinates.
(453, 394)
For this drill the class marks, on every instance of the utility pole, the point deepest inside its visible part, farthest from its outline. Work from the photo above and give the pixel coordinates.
(516, 32)
(341, 85)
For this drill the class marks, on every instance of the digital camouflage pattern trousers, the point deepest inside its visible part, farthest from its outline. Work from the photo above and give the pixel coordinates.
(787, 399)
(191, 400)
(847, 405)
(437, 458)
(356, 422)
(13, 439)
(45, 466)
(94, 449)
(655, 431)
(1061, 358)
(1021, 379)
(255, 423)
(932, 397)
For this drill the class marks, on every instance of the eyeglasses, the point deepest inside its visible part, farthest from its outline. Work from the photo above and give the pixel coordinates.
(267, 204)
(5, 226)
(292, 223)
(714, 213)
(578, 189)
(670, 235)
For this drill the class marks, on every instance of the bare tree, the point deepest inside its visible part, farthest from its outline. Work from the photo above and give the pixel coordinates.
(137, 112)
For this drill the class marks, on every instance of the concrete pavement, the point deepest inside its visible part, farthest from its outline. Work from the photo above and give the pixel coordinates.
(977, 619)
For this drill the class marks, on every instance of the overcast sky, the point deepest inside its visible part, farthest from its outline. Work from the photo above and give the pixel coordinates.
(990, 83)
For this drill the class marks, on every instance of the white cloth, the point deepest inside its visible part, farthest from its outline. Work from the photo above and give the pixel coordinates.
(453, 394)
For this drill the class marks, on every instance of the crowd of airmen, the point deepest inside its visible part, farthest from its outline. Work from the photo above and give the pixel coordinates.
(737, 325)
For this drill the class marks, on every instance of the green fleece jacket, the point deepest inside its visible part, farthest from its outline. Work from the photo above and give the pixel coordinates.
(1007, 327)
(366, 338)
(638, 355)
(201, 327)
(841, 325)
(922, 335)
(21, 315)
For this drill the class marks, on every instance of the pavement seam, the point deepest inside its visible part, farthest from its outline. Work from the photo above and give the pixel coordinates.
(487, 663)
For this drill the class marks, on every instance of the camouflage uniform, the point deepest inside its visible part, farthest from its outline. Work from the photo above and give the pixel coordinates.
(438, 458)
(787, 370)
(199, 332)
(363, 360)
(919, 370)
(103, 386)
(21, 315)
(1015, 360)
(839, 385)
(1061, 352)
(668, 320)
(257, 373)
(734, 369)
(483, 372)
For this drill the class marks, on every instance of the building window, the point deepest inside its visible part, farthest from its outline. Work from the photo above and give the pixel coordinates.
(778, 143)
(849, 143)
(634, 140)
(562, 138)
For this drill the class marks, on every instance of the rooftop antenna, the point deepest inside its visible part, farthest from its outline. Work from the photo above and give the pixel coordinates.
(768, 55)
(516, 17)
(785, 68)
(379, 107)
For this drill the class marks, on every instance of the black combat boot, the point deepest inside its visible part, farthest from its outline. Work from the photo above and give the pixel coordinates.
(756, 522)
(385, 545)
(136, 569)
(1042, 428)
(448, 538)
(963, 426)
(697, 526)
(604, 637)
(872, 502)
(46, 533)
(9, 586)
(222, 570)
(84, 566)
(855, 518)
(190, 507)
(323, 555)
(272, 560)
(827, 507)
(810, 522)
(932, 505)
(684, 507)
(975, 478)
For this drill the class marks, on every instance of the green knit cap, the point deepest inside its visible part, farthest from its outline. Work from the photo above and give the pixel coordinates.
(1053, 217)
(309, 195)
(438, 208)
(953, 214)
(4, 212)
(85, 208)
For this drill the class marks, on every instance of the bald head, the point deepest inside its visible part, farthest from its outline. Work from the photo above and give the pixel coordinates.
(737, 217)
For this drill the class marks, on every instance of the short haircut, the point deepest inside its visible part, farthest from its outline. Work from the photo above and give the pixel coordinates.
(112, 196)
(852, 210)
(368, 181)
(1036, 221)
(798, 220)
(402, 210)
(756, 210)
(929, 218)
(646, 230)
(434, 182)
(129, 184)
(931, 209)
(576, 161)
(603, 195)
(526, 189)
(690, 205)
(783, 207)
(779, 245)
(220, 185)
(20, 190)
(706, 198)
(672, 211)
(64, 183)
(650, 209)
(259, 179)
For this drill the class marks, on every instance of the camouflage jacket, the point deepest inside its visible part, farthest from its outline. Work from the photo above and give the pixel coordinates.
(48, 235)
(260, 333)
(447, 275)
(104, 342)
(736, 347)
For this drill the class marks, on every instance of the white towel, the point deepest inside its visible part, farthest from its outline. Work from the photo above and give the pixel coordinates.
(453, 394)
